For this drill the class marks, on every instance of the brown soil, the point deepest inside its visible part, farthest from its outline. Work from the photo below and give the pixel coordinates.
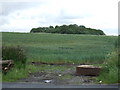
(45, 63)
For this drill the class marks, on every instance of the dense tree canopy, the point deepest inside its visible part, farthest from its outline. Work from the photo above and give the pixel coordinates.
(68, 29)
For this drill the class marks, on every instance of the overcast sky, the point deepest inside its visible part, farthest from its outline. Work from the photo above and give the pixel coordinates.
(23, 15)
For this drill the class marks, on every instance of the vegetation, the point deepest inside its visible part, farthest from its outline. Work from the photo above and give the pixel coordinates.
(67, 76)
(110, 69)
(44, 47)
(16, 54)
(111, 66)
(16, 74)
(68, 29)
(62, 48)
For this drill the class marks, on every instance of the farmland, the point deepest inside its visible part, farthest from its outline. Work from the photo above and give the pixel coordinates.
(69, 50)
(62, 48)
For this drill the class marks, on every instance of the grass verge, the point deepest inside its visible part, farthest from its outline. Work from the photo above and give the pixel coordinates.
(110, 73)
(16, 74)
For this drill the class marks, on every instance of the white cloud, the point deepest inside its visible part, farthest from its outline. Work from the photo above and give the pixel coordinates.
(99, 14)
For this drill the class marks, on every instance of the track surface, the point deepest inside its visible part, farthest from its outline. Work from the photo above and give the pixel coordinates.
(37, 85)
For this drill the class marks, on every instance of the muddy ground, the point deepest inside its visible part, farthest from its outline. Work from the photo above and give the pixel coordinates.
(59, 76)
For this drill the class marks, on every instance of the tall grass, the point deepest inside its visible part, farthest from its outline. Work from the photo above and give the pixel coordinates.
(15, 74)
(110, 69)
(110, 73)
(15, 53)
(62, 48)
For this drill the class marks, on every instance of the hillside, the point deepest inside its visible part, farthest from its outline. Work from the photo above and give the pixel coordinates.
(66, 48)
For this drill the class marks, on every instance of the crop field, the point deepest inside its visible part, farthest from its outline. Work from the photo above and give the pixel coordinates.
(62, 48)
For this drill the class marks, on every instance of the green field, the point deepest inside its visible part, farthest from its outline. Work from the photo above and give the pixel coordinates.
(62, 48)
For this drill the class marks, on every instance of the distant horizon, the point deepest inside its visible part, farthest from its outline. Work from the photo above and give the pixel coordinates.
(58, 33)
(22, 16)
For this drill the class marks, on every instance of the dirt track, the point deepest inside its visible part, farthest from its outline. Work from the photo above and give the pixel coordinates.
(60, 77)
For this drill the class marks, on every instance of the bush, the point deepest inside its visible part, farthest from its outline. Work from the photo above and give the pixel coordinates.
(110, 69)
(15, 53)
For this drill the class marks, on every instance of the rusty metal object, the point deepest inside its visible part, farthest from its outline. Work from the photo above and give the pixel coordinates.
(6, 65)
(88, 70)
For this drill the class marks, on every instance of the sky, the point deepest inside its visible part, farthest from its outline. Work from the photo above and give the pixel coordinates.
(23, 15)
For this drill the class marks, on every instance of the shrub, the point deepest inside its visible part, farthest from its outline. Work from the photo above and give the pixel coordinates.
(110, 69)
(15, 53)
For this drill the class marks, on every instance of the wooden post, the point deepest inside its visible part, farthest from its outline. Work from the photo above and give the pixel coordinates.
(5, 65)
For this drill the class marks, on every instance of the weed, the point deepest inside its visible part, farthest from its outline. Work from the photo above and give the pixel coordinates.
(14, 53)
(15, 74)
(110, 69)
(66, 77)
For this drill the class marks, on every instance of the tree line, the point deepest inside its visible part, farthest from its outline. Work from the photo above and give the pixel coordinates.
(68, 29)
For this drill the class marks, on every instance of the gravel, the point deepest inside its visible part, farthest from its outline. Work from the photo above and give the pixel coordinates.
(58, 77)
